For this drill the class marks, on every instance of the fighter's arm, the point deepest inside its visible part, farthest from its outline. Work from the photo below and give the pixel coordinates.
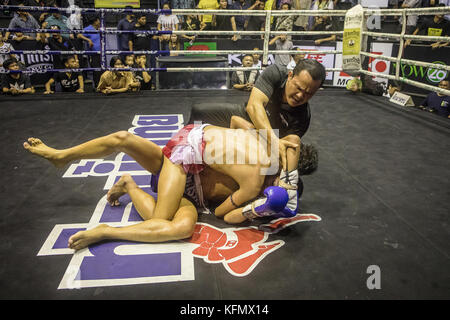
(246, 192)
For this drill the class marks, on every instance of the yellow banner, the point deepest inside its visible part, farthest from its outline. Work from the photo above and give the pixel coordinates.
(352, 41)
(117, 3)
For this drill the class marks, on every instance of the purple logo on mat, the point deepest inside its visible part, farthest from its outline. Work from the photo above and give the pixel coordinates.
(121, 263)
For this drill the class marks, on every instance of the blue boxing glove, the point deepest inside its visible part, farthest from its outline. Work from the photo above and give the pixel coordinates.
(294, 187)
(273, 202)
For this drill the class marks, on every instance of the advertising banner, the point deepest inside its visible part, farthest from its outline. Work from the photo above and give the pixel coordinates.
(426, 75)
(117, 3)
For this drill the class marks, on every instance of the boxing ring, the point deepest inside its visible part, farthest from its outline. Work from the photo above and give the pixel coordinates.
(379, 200)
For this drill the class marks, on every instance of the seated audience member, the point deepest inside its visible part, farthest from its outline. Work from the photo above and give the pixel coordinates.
(191, 23)
(23, 20)
(206, 19)
(300, 22)
(241, 21)
(140, 40)
(15, 83)
(37, 15)
(282, 43)
(392, 89)
(57, 42)
(5, 49)
(57, 19)
(256, 59)
(257, 23)
(174, 44)
(323, 24)
(183, 4)
(143, 77)
(116, 81)
(295, 59)
(69, 81)
(93, 44)
(127, 23)
(224, 23)
(437, 102)
(284, 22)
(245, 80)
(366, 84)
(319, 5)
(436, 26)
(167, 21)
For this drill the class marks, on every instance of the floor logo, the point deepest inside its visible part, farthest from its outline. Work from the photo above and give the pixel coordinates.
(111, 263)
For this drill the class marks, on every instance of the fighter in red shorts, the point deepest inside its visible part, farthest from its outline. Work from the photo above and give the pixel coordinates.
(192, 170)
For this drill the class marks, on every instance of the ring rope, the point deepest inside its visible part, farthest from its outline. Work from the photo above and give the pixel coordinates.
(268, 14)
(407, 61)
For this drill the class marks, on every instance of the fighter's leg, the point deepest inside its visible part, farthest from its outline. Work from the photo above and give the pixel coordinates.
(145, 152)
(153, 230)
(142, 201)
(171, 186)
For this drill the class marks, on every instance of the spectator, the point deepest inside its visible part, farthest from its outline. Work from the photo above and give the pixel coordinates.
(411, 20)
(300, 22)
(271, 5)
(140, 40)
(23, 20)
(116, 81)
(320, 5)
(366, 84)
(69, 81)
(183, 4)
(93, 44)
(5, 48)
(126, 24)
(256, 59)
(282, 43)
(295, 59)
(224, 23)
(343, 5)
(15, 83)
(191, 23)
(59, 20)
(129, 62)
(56, 42)
(437, 102)
(241, 21)
(37, 15)
(174, 44)
(43, 37)
(143, 77)
(245, 80)
(257, 23)
(285, 22)
(206, 19)
(437, 26)
(446, 3)
(323, 23)
(167, 22)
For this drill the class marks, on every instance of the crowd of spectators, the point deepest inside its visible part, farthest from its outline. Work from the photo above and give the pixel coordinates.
(111, 82)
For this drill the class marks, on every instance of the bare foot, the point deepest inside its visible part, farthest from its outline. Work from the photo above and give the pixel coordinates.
(82, 239)
(37, 147)
(118, 190)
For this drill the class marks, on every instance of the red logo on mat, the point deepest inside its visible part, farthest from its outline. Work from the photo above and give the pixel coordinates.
(240, 249)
